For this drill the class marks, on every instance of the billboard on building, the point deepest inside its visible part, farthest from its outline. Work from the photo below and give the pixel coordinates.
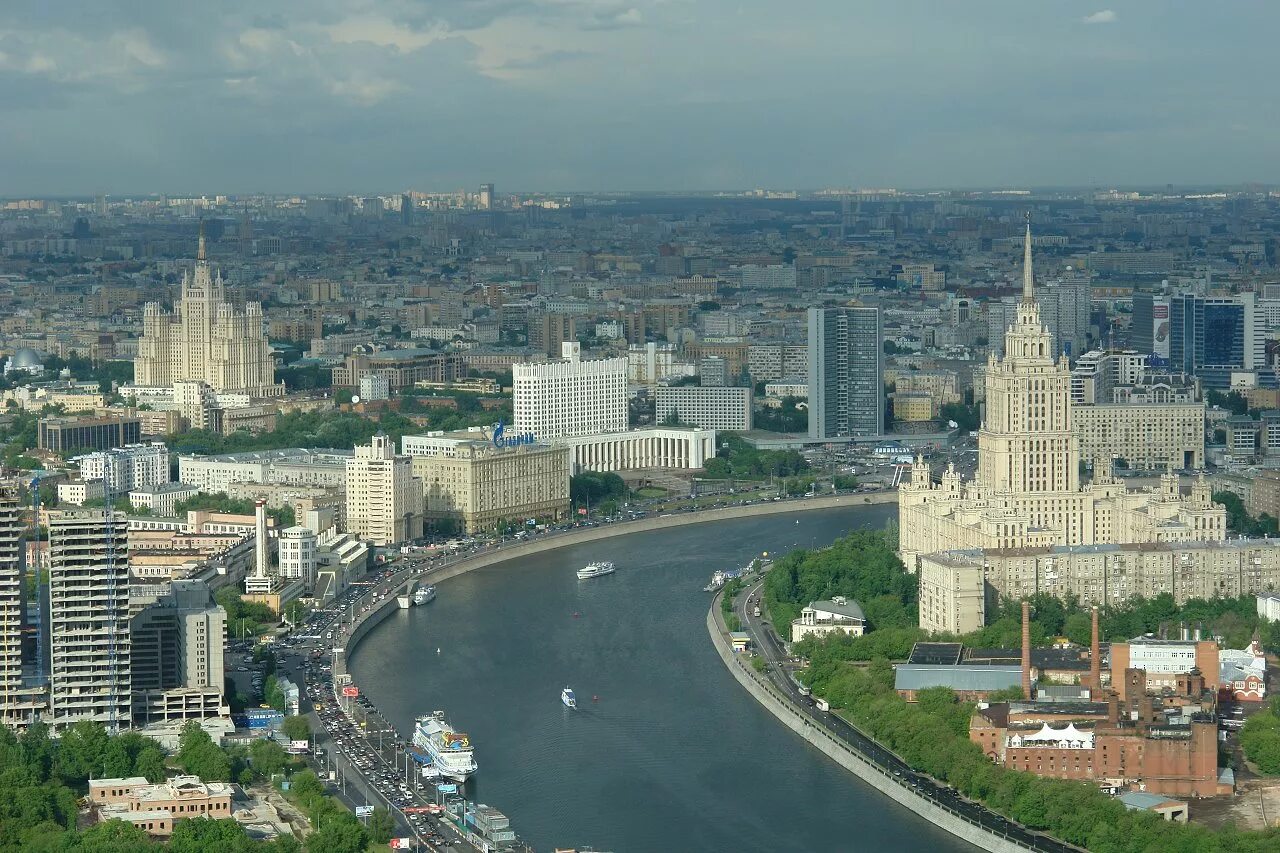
(1160, 327)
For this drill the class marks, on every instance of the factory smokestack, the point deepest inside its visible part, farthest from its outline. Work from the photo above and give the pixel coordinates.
(1095, 660)
(1026, 650)
(260, 539)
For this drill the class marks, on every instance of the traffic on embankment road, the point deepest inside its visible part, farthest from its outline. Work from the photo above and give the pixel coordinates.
(785, 689)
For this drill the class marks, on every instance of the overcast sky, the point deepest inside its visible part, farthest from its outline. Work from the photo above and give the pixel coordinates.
(136, 96)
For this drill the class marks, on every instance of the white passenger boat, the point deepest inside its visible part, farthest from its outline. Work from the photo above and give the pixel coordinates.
(595, 570)
(449, 750)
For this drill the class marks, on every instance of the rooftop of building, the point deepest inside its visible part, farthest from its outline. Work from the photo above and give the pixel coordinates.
(936, 654)
(1042, 657)
(1143, 801)
(908, 676)
(311, 454)
(164, 489)
(1083, 709)
(840, 606)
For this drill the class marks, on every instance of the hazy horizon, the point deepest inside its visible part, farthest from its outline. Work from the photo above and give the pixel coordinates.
(331, 96)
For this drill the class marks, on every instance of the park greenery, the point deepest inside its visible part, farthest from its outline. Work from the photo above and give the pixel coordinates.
(859, 566)
(42, 779)
(1260, 738)
(297, 429)
(738, 459)
(595, 490)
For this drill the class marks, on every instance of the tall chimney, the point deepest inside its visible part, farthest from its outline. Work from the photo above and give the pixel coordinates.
(260, 539)
(1095, 661)
(1026, 650)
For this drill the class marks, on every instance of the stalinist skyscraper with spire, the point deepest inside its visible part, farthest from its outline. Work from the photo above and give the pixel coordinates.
(1026, 497)
(206, 340)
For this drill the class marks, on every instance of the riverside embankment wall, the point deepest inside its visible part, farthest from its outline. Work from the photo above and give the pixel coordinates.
(844, 755)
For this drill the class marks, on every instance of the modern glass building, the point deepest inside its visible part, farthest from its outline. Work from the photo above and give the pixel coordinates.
(1215, 336)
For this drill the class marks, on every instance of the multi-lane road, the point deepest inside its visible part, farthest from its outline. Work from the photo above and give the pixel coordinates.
(776, 673)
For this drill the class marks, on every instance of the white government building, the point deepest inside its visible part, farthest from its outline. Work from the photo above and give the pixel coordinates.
(1026, 511)
(582, 405)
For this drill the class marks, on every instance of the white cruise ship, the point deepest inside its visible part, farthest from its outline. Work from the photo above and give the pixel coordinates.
(595, 570)
(424, 595)
(449, 751)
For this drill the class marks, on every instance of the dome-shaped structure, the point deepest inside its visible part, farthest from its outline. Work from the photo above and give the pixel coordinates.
(25, 359)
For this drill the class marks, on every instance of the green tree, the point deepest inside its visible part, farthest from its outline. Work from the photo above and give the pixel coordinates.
(306, 785)
(200, 756)
(81, 753)
(381, 825)
(268, 757)
(114, 836)
(1260, 740)
(296, 728)
(150, 765)
(205, 835)
(337, 832)
(593, 487)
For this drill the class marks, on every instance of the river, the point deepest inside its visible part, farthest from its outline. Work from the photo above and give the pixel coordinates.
(674, 755)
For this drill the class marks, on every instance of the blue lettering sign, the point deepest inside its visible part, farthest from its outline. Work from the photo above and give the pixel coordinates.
(501, 439)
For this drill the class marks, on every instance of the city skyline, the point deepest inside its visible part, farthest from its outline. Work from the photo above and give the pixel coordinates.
(638, 95)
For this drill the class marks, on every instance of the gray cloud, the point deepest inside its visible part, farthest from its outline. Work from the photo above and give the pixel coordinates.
(379, 95)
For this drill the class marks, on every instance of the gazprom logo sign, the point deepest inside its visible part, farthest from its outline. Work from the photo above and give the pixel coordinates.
(501, 439)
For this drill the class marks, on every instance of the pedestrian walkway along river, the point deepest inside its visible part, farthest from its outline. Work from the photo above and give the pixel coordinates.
(674, 755)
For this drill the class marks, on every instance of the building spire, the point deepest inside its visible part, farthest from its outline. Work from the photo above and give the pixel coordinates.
(1028, 279)
(200, 250)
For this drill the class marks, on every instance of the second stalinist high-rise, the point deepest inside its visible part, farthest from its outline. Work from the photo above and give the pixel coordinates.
(1025, 445)
(206, 340)
(1026, 492)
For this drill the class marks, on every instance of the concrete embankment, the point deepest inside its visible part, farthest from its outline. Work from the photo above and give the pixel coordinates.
(844, 755)
(367, 621)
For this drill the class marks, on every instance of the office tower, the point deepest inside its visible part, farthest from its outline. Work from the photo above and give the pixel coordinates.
(846, 370)
(384, 501)
(177, 648)
(570, 397)
(89, 618)
(206, 339)
(1213, 337)
(406, 209)
(1064, 310)
(486, 196)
